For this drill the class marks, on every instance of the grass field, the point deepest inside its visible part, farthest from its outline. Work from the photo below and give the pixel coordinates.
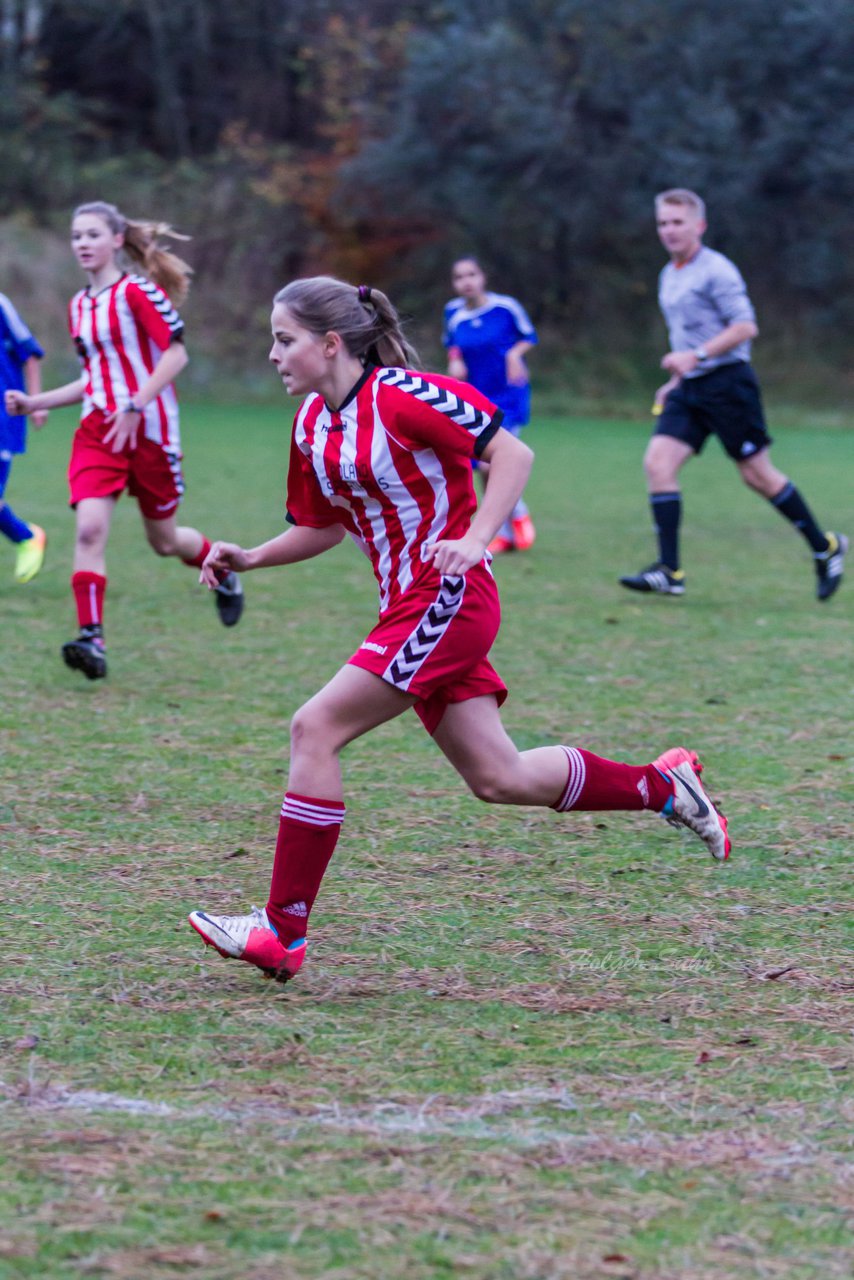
(524, 1045)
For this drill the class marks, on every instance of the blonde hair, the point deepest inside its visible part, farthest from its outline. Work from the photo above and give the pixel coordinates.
(364, 318)
(142, 246)
(681, 195)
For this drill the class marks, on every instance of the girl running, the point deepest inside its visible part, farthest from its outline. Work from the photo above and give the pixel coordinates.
(384, 453)
(488, 336)
(20, 355)
(129, 338)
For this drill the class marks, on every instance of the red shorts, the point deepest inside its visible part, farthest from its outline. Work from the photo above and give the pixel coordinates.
(151, 473)
(433, 643)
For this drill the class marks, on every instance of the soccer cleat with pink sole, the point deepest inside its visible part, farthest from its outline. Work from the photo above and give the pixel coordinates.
(251, 938)
(690, 805)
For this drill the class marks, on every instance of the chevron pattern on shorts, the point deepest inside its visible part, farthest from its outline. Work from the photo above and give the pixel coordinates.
(441, 398)
(423, 640)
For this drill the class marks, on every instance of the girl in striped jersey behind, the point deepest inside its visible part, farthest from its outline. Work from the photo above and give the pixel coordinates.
(383, 453)
(129, 338)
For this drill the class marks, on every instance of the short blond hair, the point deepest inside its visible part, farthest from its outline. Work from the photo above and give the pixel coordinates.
(681, 195)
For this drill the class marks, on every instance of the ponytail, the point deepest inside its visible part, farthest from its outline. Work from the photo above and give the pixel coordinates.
(141, 245)
(364, 318)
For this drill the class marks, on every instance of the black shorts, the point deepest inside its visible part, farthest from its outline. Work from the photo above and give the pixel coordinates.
(725, 402)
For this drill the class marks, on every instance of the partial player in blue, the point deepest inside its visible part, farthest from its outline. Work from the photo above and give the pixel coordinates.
(19, 370)
(487, 336)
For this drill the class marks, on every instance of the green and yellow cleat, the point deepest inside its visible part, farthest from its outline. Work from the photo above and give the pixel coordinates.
(31, 555)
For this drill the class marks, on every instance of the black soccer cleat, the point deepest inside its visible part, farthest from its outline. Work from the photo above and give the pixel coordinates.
(229, 599)
(87, 654)
(657, 578)
(829, 565)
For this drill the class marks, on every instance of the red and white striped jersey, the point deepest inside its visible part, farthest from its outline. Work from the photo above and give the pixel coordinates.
(393, 465)
(120, 333)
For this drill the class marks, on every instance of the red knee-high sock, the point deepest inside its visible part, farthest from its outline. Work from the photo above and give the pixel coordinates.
(198, 560)
(89, 589)
(308, 833)
(595, 783)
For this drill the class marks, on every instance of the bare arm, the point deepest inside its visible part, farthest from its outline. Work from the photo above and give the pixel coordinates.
(510, 463)
(33, 383)
(682, 362)
(456, 364)
(298, 543)
(125, 424)
(170, 364)
(514, 360)
(19, 403)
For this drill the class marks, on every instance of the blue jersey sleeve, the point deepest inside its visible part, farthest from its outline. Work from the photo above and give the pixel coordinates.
(521, 321)
(449, 318)
(16, 337)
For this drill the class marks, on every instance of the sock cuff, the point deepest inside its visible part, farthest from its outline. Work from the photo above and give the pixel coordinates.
(575, 780)
(199, 559)
(312, 811)
(784, 495)
(85, 578)
(674, 496)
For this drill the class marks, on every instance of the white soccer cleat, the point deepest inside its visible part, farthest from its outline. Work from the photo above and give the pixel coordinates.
(690, 806)
(251, 938)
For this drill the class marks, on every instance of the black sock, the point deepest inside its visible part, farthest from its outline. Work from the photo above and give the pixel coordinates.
(791, 505)
(666, 516)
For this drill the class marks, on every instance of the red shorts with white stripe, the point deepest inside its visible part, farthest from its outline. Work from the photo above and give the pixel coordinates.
(433, 643)
(150, 473)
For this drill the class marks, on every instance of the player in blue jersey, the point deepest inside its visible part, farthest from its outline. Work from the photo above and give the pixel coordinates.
(19, 370)
(712, 390)
(487, 336)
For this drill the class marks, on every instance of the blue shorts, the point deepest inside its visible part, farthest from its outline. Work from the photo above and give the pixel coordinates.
(726, 403)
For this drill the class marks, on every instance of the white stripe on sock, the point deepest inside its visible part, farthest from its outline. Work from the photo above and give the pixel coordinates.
(313, 815)
(576, 780)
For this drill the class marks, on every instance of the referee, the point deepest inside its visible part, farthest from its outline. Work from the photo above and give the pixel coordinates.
(712, 390)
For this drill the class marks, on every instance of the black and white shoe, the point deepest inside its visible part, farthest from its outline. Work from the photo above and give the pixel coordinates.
(229, 600)
(658, 578)
(87, 653)
(829, 565)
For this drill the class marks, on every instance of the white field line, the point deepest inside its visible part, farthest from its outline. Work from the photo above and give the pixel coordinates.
(433, 1117)
(478, 1117)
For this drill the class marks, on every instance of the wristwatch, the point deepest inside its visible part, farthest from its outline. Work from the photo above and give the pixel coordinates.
(702, 354)
(130, 407)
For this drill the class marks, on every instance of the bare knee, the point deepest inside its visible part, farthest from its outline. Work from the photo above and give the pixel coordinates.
(163, 542)
(91, 535)
(660, 469)
(311, 734)
(489, 787)
(762, 476)
(752, 480)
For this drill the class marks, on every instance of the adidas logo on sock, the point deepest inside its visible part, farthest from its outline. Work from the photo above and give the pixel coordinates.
(643, 788)
(296, 909)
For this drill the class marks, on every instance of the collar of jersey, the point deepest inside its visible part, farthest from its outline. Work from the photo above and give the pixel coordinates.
(679, 266)
(354, 390)
(90, 294)
(477, 311)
